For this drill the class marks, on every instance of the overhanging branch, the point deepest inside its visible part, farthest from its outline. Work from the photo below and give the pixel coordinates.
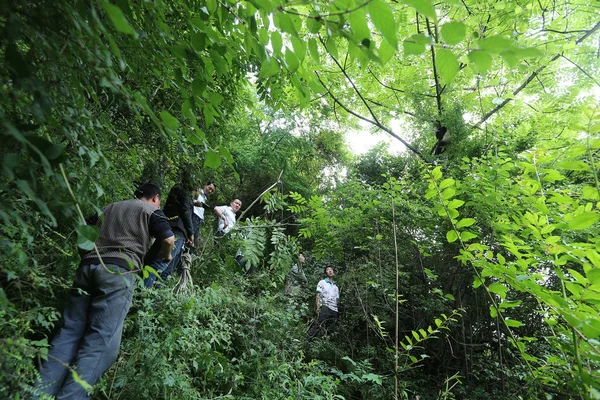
(376, 123)
(530, 78)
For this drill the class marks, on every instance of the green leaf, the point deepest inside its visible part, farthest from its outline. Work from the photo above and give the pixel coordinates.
(466, 236)
(414, 45)
(573, 165)
(590, 193)
(199, 41)
(423, 6)
(465, 222)
(313, 24)
(498, 288)
(386, 52)
(448, 193)
(332, 47)
(513, 323)
(86, 236)
(583, 220)
(481, 59)
(77, 379)
(118, 19)
(495, 44)
(170, 121)
(436, 173)
(215, 98)
(456, 203)
(276, 42)
(383, 19)
(226, 154)
(198, 87)
(284, 22)
(446, 183)
(372, 378)
(197, 136)
(314, 50)
(187, 109)
(359, 25)
(447, 65)
(451, 236)
(453, 32)
(212, 159)
(299, 48)
(291, 61)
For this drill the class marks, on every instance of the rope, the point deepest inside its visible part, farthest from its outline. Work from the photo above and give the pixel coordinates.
(185, 285)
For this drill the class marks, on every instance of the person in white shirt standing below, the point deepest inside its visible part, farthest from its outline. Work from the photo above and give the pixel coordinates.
(226, 216)
(200, 202)
(328, 297)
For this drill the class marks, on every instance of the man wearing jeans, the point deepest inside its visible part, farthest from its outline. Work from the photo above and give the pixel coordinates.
(328, 296)
(90, 338)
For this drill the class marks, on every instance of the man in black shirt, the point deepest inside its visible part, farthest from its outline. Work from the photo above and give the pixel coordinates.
(179, 209)
(93, 319)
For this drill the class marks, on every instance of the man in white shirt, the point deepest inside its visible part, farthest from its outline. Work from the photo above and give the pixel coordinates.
(200, 202)
(327, 299)
(226, 216)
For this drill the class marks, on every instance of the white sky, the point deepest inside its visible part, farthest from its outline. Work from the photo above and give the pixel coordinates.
(361, 141)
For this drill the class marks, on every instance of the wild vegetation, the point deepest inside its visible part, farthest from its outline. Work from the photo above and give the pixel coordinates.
(470, 274)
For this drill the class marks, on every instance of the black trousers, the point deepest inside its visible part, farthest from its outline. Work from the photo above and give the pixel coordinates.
(327, 319)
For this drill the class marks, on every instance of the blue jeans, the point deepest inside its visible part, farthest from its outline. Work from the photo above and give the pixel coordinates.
(90, 338)
(164, 269)
(196, 222)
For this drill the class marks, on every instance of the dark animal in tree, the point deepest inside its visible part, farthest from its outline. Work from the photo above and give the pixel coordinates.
(443, 139)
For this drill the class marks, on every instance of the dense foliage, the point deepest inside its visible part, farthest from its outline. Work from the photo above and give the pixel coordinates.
(471, 274)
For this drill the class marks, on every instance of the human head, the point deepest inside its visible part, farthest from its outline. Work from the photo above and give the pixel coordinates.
(236, 205)
(329, 272)
(301, 258)
(149, 193)
(209, 188)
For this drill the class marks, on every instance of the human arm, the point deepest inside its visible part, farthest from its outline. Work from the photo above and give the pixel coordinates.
(166, 246)
(318, 298)
(160, 229)
(221, 215)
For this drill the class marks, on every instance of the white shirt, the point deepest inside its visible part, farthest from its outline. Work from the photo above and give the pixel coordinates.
(330, 294)
(229, 215)
(199, 211)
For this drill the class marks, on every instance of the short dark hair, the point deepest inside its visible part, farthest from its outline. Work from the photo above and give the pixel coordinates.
(147, 191)
(325, 269)
(211, 183)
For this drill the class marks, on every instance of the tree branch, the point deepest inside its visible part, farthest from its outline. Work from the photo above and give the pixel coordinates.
(582, 70)
(376, 123)
(532, 77)
(438, 90)
(260, 195)
(351, 82)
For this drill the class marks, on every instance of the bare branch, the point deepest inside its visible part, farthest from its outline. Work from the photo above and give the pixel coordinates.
(260, 195)
(438, 89)
(582, 70)
(376, 123)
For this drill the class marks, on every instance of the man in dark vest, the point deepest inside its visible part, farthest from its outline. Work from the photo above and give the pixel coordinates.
(102, 292)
